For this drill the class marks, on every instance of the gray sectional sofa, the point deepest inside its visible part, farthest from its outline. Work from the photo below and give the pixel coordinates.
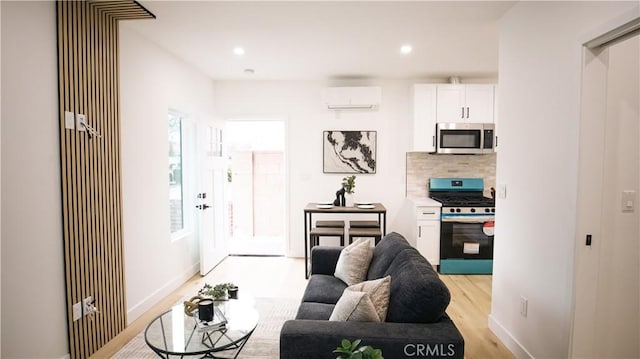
(416, 325)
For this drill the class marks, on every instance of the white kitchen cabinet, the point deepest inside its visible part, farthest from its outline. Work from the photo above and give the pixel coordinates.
(428, 235)
(465, 103)
(424, 118)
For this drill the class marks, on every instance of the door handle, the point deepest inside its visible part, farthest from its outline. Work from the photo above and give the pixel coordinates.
(462, 111)
(202, 207)
(467, 112)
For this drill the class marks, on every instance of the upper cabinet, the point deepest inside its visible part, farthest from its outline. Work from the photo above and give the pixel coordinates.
(465, 103)
(424, 117)
(448, 103)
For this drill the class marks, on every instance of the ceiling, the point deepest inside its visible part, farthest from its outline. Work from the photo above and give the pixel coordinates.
(315, 40)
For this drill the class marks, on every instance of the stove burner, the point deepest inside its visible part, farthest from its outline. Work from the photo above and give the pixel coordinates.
(463, 201)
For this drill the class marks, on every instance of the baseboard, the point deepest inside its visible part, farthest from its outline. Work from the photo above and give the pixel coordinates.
(508, 340)
(144, 305)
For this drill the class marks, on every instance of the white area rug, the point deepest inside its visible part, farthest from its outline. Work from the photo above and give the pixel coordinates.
(263, 344)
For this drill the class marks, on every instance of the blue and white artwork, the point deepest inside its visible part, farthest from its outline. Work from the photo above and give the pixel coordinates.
(349, 151)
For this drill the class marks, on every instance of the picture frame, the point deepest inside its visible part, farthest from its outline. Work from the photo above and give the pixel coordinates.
(349, 152)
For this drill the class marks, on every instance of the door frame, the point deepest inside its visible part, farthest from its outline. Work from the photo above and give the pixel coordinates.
(591, 163)
(285, 119)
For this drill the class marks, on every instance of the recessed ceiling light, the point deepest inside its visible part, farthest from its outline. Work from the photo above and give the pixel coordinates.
(406, 49)
(238, 50)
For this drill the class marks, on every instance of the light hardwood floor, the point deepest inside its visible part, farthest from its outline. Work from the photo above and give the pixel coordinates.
(280, 277)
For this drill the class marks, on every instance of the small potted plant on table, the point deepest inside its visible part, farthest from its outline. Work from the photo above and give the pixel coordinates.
(220, 291)
(349, 185)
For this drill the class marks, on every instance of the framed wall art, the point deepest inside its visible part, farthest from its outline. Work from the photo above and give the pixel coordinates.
(349, 151)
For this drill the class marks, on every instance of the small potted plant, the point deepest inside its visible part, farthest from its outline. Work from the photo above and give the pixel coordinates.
(349, 350)
(219, 291)
(349, 185)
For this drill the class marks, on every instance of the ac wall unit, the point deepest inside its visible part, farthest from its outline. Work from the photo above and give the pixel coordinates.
(352, 98)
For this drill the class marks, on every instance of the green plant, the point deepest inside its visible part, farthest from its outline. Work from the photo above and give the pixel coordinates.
(349, 184)
(219, 291)
(350, 350)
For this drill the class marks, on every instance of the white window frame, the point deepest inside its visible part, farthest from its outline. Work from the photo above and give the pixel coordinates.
(187, 160)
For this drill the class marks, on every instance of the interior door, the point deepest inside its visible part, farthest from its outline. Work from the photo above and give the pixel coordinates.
(211, 199)
(606, 317)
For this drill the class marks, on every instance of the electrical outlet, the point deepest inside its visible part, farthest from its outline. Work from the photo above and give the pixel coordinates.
(628, 201)
(77, 311)
(524, 303)
(81, 120)
(69, 120)
(87, 306)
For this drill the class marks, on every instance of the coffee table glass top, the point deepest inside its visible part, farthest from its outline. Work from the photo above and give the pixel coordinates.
(176, 333)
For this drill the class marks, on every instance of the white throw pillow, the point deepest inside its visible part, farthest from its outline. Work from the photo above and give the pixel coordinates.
(378, 290)
(354, 306)
(353, 263)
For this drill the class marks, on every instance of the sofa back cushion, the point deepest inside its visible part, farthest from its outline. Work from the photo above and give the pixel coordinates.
(417, 293)
(384, 253)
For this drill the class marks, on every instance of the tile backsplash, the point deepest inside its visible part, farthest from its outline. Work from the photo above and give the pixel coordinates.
(421, 166)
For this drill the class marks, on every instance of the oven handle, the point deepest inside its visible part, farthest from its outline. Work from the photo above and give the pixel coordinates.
(467, 219)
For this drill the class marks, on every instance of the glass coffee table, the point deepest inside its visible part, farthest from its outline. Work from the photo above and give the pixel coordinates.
(174, 333)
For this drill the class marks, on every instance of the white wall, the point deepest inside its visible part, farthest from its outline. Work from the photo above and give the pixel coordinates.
(0, 189)
(152, 81)
(540, 63)
(33, 288)
(300, 104)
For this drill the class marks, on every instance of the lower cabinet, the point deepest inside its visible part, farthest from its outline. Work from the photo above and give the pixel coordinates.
(428, 233)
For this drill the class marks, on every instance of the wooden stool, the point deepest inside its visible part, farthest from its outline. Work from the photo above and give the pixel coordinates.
(374, 233)
(316, 233)
(330, 224)
(364, 224)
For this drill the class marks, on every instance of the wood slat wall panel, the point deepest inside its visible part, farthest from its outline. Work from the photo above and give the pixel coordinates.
(88, 83)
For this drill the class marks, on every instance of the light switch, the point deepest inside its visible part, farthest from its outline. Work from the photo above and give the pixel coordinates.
(628, 201)
(502, 191)
(69, 120)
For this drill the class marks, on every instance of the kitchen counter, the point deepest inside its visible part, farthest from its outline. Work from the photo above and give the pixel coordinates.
(424, 202)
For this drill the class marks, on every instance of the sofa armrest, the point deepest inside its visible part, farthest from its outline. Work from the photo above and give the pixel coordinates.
(316, 339)
(324, 259)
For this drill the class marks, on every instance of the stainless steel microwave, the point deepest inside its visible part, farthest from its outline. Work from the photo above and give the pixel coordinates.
(465, 138)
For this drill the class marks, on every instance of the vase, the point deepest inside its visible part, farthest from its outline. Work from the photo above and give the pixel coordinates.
(348, 199)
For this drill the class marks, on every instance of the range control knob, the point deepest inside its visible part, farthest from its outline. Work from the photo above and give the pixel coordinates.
(473, 210)
(458, 210)
(452, 210)
(487, 210)
(493, 210)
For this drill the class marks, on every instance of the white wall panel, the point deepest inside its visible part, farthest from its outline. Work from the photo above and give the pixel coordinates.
(539, 112)
(32, 243)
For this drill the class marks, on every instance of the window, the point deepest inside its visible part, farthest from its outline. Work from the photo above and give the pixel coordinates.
(176, 191)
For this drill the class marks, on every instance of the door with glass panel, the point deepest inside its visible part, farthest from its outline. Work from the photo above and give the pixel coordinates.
(210, 198)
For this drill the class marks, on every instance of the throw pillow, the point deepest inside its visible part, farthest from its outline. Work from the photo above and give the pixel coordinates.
(353, 262)
(354, 306)
(378, 291)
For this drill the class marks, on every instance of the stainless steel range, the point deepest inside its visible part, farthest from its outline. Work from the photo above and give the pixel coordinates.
(467, 224)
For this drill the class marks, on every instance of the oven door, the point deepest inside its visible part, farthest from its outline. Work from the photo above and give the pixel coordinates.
(466, 238)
